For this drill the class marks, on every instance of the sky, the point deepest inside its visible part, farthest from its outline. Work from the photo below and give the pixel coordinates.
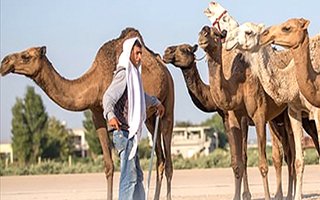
(74, 30)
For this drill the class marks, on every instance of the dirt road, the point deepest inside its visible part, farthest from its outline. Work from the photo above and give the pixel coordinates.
(200, 184)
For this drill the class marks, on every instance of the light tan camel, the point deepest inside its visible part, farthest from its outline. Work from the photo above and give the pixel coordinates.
(182, 56)
(293, 34)
(280, 84)
(87, 91)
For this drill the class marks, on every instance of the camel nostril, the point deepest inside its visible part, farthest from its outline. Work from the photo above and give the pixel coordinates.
(5, 60)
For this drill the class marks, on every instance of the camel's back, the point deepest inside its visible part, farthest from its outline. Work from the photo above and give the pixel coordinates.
(156, 77)
(315, 52)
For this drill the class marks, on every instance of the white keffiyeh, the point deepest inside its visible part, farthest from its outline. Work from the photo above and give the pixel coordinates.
(136, 98)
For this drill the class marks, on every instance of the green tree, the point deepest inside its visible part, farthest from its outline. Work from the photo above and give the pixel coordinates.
(28, 127)
(58, 144)
(91, 134)
(36, 118)
(21, 139)
(144, 148)
(216, 122)
(183, 123)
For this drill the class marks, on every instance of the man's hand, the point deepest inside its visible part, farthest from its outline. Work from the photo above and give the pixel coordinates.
(114, 123)
(160, 110)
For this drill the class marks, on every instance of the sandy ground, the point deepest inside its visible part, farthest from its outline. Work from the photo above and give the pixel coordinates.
(199, 184)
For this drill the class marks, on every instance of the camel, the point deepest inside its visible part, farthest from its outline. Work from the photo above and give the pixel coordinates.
(87, 91)
(240, 89)
(280, 84)
(182, 56)
(220, 18)
(223, 20)
(293, 34)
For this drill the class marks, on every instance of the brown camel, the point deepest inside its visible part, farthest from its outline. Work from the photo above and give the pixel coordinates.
(241, 89)
(182, 56)
(293, 34)
(87, 91)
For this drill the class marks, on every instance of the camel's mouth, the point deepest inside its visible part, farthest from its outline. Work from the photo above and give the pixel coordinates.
(264, 42)
(4, 70)
(166, 59)
(204, 43)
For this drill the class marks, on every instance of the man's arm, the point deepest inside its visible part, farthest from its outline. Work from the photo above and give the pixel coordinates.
(153, 101)
(113, 93)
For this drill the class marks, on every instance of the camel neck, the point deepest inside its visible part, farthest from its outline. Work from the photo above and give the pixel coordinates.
(301, 55)
(224, 92)
(308, 79)
(69, 94)
(277, 80)
(197, 89)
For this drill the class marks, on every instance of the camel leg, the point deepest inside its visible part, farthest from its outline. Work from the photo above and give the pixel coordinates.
(235, 141)
(289, 156)
(317, 143)
(312, 128)
(100, 125)
(246, 195)
(277, 157)
(160, 157)
(263, 165)
(295, 119)
(167, 127)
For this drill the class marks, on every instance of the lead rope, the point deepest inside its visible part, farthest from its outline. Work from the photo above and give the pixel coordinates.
(155, 135)
(199, 59)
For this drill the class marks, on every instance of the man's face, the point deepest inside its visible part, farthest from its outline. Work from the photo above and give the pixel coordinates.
(135, 56)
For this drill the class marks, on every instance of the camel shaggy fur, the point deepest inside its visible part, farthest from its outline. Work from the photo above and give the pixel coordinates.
(293, 34)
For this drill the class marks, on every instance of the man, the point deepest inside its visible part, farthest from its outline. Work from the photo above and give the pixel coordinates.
(124, 104)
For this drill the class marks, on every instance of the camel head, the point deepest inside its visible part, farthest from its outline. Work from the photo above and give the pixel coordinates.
(181, 56)
(245, 37)
(26, 62)
(210, 39)
(289, 34)
(219, 17)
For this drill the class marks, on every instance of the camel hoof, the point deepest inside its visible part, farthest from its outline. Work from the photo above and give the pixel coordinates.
(289, 197)
(246, 196)
(278, 196)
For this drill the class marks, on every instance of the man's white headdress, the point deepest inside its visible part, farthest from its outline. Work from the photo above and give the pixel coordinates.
(136, 98)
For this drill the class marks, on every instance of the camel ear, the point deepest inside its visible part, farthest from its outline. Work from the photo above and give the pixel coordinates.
(207, 12)
(194, 48)
(43, 50)
(261, 27)
(304, 23)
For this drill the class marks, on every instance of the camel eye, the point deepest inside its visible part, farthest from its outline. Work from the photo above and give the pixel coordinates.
(224, 19)
(286, 29)
(248, 33)
(25, 57)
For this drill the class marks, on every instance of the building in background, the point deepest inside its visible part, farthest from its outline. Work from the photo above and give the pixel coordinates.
(80, 143)
(6, 152)
(193, 141)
